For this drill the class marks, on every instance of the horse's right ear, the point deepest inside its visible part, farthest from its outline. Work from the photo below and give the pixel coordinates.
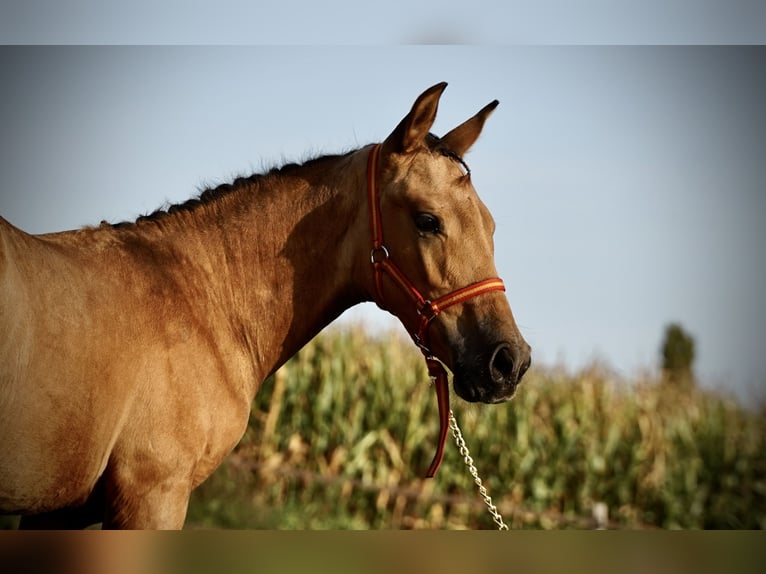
(413, 129)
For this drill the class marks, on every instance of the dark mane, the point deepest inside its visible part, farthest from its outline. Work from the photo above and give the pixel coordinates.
(213, 194)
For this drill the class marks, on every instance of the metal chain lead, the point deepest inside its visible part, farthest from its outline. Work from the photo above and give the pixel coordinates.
(474, 473)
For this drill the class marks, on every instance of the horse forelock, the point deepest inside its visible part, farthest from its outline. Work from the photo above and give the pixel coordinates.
(437, 145)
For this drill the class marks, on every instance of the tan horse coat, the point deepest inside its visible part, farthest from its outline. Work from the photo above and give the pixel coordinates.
(130, 354)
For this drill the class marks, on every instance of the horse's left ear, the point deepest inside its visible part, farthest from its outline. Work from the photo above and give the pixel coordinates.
(463, 137)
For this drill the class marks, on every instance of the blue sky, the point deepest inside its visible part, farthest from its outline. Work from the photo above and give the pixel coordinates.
(628, 183)
(351, 22)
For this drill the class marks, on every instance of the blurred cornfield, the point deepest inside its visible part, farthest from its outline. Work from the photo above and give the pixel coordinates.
(340, 437)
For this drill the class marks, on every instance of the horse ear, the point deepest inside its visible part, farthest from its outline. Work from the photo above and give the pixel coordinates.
(463, 137)
(412, 130)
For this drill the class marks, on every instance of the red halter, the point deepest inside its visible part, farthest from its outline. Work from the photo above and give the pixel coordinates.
(427, 310)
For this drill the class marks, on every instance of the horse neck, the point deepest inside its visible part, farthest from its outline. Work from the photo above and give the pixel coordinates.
(285, 250)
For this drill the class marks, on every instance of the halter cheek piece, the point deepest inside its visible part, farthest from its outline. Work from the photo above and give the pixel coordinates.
(427, 310)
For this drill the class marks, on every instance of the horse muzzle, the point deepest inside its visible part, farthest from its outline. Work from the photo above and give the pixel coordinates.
(492, 377)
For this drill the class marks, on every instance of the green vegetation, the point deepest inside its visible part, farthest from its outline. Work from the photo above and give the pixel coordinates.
(340, 437)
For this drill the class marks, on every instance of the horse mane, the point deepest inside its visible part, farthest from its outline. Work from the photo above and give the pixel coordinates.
(212, 195)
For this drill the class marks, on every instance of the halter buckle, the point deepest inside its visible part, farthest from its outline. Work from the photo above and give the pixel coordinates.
(427, 311)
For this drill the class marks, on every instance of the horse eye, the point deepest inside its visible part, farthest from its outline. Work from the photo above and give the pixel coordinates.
(427, 223)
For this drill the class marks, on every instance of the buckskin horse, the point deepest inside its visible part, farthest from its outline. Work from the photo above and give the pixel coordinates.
(130, 353)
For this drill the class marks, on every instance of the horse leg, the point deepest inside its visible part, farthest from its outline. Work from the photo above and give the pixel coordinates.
(77, 517)
(160, 506)
(159, 509)
(63, 519)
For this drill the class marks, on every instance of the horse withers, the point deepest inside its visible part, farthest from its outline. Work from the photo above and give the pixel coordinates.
(130, 353)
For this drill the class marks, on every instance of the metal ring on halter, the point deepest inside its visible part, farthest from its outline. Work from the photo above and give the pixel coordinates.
(426, 307)
(376, 250)
(422, 346)
(427, 311)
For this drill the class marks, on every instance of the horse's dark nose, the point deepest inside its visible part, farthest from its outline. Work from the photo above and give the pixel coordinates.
(509, 363)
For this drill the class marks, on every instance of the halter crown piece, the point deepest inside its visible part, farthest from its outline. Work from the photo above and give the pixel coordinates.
(382, 264)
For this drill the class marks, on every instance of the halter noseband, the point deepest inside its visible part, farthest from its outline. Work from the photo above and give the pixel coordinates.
(427, 310)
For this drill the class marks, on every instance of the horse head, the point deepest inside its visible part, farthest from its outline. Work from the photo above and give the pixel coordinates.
(435, 244)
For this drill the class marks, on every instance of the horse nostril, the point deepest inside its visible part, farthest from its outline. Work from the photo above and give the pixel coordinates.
(501, 363)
